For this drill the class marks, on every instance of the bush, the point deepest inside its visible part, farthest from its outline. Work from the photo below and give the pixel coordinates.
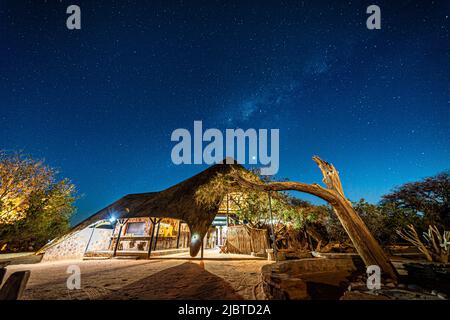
(35, 206)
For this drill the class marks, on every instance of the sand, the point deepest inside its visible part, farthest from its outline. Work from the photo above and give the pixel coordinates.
(218, 276)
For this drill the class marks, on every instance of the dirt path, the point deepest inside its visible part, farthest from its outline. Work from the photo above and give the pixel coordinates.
(171, 277)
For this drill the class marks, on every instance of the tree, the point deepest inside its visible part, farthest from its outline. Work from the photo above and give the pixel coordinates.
(429, 198)
(437, 243)
(363, 241)
(395, 217)
(34, 205)
(252, 206)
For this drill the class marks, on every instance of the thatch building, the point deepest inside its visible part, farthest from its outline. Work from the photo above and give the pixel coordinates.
(142, 223)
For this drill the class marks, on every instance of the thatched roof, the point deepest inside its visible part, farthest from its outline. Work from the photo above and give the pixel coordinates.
(176, 202)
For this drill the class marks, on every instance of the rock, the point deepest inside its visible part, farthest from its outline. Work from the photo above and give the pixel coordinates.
(356, 295)
(414, 287)
(443, 296)
(357, 286)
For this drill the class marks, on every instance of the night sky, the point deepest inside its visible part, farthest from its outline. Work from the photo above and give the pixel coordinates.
(101, 103)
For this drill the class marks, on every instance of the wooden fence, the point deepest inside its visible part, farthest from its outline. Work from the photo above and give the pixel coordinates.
(242, 239)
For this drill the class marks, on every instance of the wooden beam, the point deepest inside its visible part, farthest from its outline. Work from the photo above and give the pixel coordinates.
(274, 244)
(157, 233)
(203, 244)
(121, 222)
(117, 240)
(14, 286)
(2, 274)
(179, 233)
(89, 241)
(151, 238)
(228, 209)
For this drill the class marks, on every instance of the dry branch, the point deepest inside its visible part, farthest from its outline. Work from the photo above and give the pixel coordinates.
(410, 235)
(437, 248)
(364, 242)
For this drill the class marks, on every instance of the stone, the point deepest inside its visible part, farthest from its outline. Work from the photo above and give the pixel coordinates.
(414, 287)
(356, 295)
(291, 279)
(442, 296)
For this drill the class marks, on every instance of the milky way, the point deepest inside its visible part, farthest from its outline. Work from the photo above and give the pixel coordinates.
(100, 103)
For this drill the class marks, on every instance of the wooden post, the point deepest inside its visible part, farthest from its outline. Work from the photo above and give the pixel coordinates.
(274, 245)
(14, 286)
(203, 243)
(228, 208)
(2, 274)
(90, 238)
(157, 233)
(179, 233)
(118, 239)
(308, 238)
(151, 238)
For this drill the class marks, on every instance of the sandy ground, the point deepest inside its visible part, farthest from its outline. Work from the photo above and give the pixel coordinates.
(218, 276)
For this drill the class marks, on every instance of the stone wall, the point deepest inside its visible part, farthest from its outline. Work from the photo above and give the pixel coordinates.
(75, 246)
(311, 278)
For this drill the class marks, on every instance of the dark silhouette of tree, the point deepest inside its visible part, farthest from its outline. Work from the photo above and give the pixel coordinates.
(428, 198)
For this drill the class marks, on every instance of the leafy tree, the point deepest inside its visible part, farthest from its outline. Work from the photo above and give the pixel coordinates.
(252, 206)
(34, 205)
(381, 219)
(429, 198)
(334, 229)
(418, 204)
(395, 218)
(294, 219)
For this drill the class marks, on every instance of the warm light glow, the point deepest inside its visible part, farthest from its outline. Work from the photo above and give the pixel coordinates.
(195, 237)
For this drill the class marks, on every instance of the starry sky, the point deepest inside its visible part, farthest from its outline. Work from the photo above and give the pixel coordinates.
(100, 103)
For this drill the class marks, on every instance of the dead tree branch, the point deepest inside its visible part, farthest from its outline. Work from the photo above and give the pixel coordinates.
(364, 242)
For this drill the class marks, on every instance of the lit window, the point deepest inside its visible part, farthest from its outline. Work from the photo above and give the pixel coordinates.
(136, 228)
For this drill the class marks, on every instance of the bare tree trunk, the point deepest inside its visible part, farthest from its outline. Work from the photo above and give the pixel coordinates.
(364, 242)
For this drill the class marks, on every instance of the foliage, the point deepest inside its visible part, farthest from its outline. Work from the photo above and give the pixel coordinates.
(334, 229)
(212, 193)
(34, 205)
(20, 177)
(382, 220)
(252, 206)
(429, 198)
(302, 214)
(414, 204)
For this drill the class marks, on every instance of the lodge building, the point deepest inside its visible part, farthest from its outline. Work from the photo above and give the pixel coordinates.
(159, 223)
